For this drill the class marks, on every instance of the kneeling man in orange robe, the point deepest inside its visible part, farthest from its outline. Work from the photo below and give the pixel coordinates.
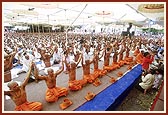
(18, 95)
(53, 92)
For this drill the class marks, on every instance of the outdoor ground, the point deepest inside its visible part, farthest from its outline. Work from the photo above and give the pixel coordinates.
(137, 101)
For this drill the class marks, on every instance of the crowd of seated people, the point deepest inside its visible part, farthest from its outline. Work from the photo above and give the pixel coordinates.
(81, 50)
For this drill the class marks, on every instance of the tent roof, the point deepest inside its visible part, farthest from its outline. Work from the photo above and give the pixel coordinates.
(77, 13)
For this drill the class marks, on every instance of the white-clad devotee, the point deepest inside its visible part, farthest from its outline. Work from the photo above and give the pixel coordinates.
(18, 59)
(147, 81)
(161, 55)
(36, 54)
(158, 79)
(27, 59)
(77, 54)
(56, 58)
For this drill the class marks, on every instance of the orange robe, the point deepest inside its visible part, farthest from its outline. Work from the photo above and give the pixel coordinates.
(108, 68)
(90, 78)
(75, 85)
(139, 58)
(115, 65)
(128, 60)
(53, 94)
(100, 72)
(83, 82)
(136, 52)
(121, 63)
(29, 106)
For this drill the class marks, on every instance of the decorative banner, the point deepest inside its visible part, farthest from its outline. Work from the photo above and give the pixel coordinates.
(151, 8)
(160, 18)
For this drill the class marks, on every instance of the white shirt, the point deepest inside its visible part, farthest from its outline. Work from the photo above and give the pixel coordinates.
(57, 56)
(86, 56)
(20, 58)
(158, 78)
(26, 63)
(37, 55)
(160, 56)
(147, 81)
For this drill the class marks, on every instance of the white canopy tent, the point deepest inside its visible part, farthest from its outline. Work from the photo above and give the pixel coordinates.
(77, 13)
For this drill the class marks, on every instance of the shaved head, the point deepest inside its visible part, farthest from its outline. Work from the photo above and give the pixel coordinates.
(50, 70)
(12, 83)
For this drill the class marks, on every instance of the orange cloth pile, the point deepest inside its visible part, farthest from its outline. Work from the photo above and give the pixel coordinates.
(119, 74)
(112, 80)
(121, 63)
(65, 104)
(97, 82)
(75, 85)
(90, 78)
(89, 96)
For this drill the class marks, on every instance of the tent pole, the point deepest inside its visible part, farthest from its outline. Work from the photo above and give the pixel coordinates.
(74, 21)
(79, 14)
(27, 29)
(37, 26)
(30, 28)
(33, 28)
(38, 29)
(42, 28)
(48, 24)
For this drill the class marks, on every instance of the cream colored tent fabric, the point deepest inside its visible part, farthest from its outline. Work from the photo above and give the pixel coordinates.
(64, 13)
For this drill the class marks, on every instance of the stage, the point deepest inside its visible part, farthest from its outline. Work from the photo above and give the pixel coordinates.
(108, 95)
